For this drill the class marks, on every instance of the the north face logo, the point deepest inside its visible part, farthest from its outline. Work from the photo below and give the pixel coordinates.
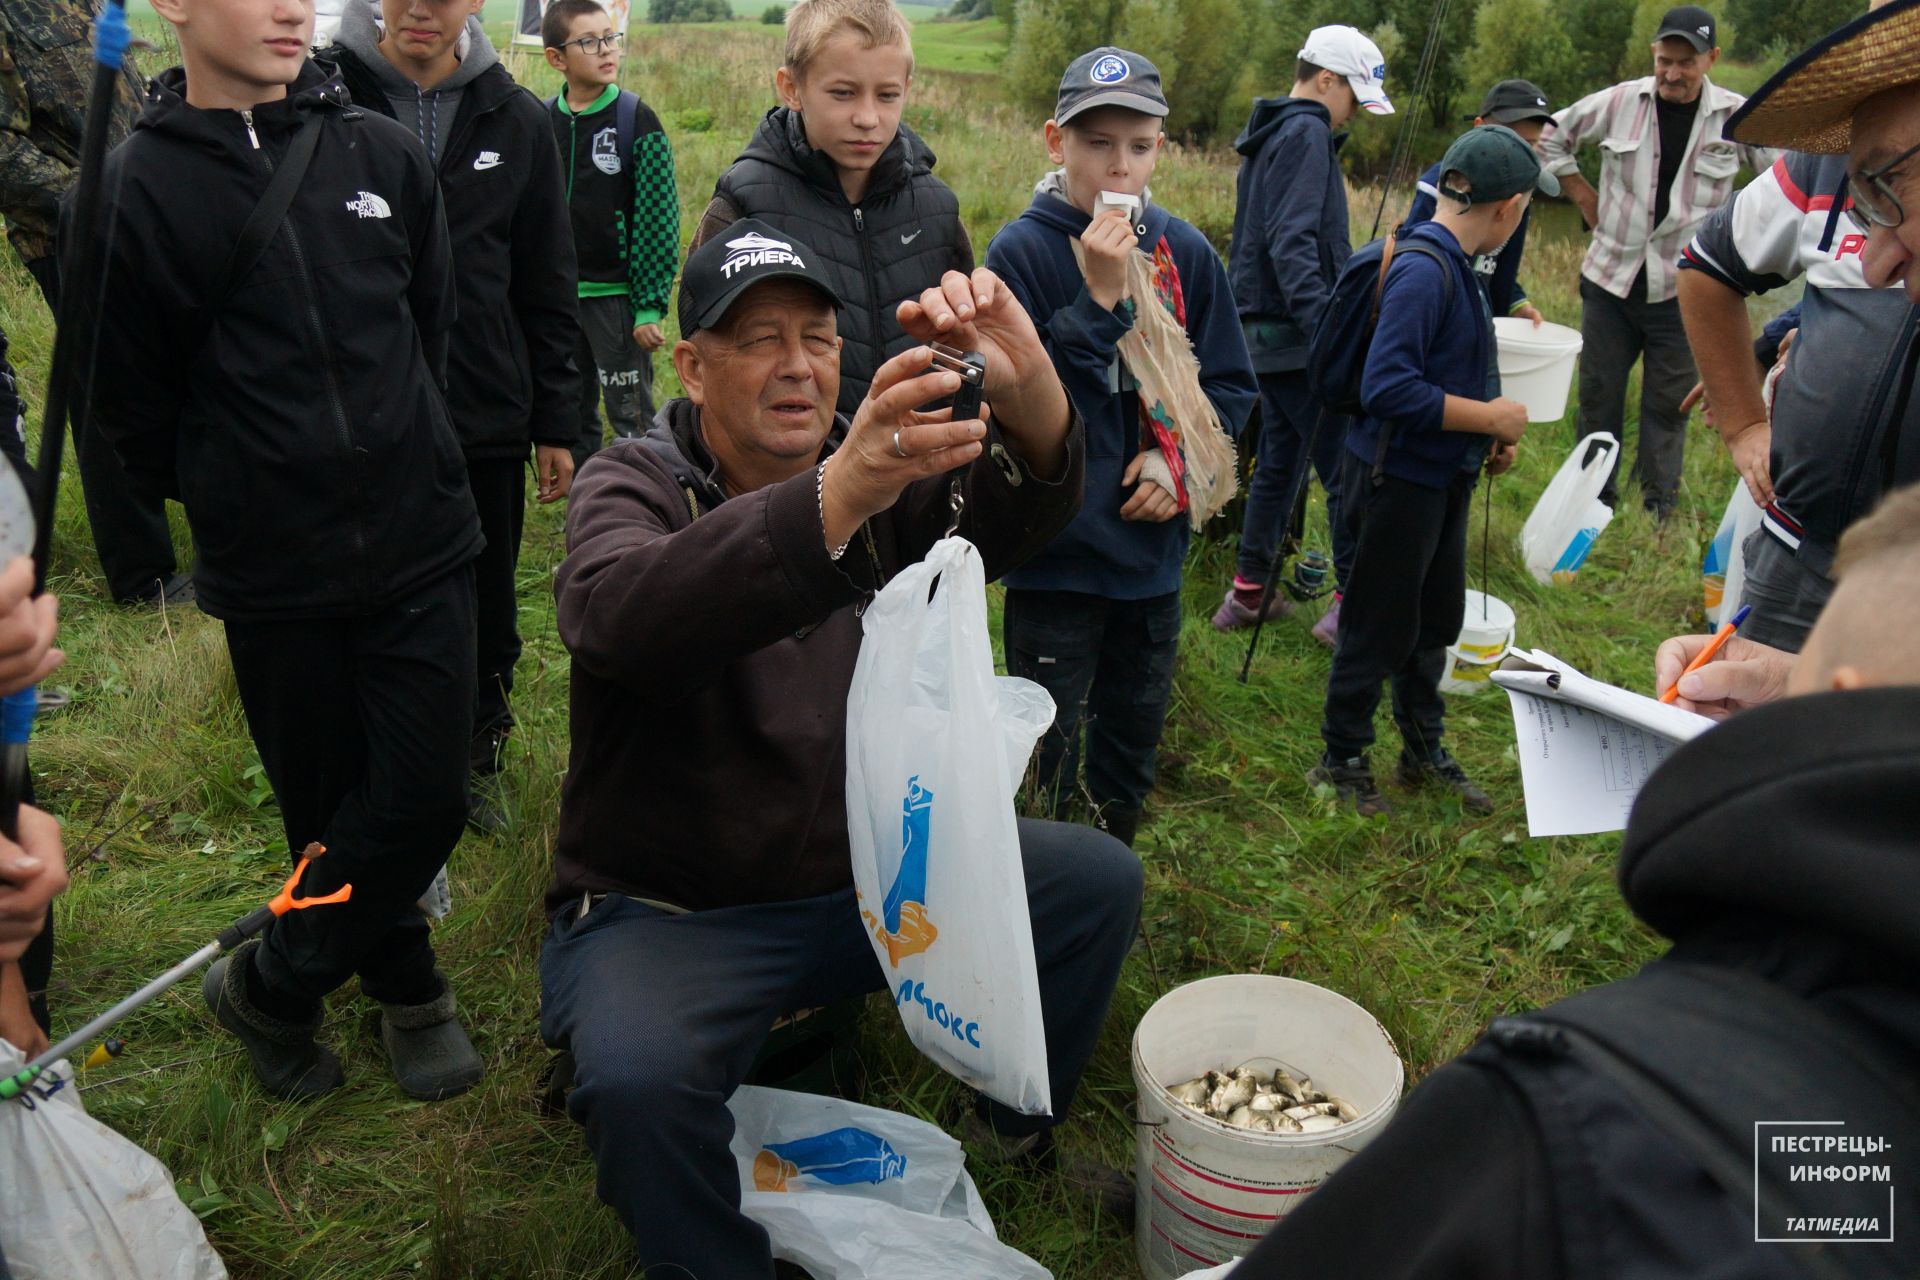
(756, 250)
(606, 150)
(369, 205)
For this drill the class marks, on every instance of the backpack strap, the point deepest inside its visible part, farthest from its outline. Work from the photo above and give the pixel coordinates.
(625, 110)
(267, 216)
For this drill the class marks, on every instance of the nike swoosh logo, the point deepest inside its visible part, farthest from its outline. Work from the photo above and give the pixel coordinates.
(910, 239)
(494, 163)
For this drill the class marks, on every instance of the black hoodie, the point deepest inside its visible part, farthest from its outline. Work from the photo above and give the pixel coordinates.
(511, 379)
(1784, 844)
(899, 240)
(301, 422)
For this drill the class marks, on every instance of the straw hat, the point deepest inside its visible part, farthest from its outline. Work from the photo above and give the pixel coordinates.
(1808, 105)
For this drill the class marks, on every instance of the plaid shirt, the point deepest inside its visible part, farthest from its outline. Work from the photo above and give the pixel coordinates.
(1623, 121)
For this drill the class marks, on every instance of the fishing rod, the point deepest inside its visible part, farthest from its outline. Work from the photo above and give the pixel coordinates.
(72, 341)
(233, 935)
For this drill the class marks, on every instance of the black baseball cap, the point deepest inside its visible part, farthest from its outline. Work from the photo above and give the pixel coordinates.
(1109, 77)
(1498, 163)
(1512, 101)
(1691, 23)
(743, 255)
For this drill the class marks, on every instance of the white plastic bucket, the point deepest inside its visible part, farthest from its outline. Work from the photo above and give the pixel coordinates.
(1536, 365)
(1208, 1191)
(1485, 637)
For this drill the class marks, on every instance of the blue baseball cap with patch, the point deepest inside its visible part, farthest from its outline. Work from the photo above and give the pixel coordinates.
(1109, 77)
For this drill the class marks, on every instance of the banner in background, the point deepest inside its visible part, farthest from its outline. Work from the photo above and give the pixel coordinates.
(526, 28)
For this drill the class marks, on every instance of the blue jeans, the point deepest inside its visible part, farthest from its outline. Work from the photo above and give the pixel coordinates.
(1287, 413)
(1109, 666)
(664, 1014)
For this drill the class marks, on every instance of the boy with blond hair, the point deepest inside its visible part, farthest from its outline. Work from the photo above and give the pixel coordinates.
(834, 165)
(618, 167)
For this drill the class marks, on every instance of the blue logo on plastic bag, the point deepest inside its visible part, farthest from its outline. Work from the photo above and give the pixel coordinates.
(839, 1157)
(906, 928)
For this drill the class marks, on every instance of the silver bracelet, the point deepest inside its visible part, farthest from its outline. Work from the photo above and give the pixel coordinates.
(820, 499)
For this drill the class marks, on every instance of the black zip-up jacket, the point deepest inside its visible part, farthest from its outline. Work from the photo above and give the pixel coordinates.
(511, 379)
(899, 240)
(1783, 845)
(300, 422)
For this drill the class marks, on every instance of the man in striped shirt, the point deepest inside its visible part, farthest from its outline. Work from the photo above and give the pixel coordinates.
(1664, 167)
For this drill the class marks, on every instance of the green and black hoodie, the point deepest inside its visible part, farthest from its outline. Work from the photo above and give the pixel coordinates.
(626, 209)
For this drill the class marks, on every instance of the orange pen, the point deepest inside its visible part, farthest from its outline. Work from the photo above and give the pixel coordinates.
(1707, 654)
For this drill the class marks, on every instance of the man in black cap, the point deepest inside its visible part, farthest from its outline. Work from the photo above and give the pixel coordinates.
(1521, 105)
(1664, 168)
(710, 597)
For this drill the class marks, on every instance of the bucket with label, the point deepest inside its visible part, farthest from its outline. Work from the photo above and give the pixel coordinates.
(1536, 364)
(1485, 637)
(1208, 1191)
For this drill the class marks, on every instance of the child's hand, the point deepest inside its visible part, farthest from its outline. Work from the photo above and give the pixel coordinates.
(27, 628)
(1152, 501)
(1108, 240)
(651, 337)
(31, 873)
(17, 1026)
(1500, 459)
(1506, 420)
(1527, 311)
(552, 471)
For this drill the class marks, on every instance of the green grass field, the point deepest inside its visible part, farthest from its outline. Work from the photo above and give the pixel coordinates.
(1435, 921)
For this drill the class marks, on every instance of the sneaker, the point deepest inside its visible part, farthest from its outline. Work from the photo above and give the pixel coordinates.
(1442, 770)
(1327, 630)
(1352, 780)
(173, 592)
(287, 1060)
(488, 812)
(1234, 615)
(1101, 1187)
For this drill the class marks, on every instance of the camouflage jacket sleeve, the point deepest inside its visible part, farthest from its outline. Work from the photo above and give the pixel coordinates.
(31, 180)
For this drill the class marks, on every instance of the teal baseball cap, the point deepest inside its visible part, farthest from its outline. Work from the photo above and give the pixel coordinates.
(1497, 163)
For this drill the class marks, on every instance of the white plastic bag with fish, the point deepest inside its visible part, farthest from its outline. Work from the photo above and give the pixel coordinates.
(82, 1202)
(856, 1193)
(1569, 516)
(936, 744)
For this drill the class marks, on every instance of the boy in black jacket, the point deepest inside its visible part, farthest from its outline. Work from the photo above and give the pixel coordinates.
(511, 379)
(287, 394)
(626, 219)
(835, 166)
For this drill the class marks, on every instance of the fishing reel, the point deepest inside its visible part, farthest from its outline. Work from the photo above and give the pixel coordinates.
(1308, 581)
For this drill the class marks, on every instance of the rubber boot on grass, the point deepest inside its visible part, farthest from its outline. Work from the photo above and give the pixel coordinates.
(287, 1060)
(431, 1055)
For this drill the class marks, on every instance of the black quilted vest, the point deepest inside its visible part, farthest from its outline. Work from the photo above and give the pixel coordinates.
(897, 241)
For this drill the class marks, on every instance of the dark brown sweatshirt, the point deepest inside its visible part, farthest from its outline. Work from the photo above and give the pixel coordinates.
(713, 647)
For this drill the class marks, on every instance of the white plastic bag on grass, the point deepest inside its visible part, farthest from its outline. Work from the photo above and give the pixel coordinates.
(1569, 515)
(80, 1202)
(856, 1193)
(1723, 571)
(936, 744)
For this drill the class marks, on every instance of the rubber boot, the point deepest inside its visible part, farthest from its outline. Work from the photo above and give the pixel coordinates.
(1120, 822)
(287, 1060)
(431, 1055)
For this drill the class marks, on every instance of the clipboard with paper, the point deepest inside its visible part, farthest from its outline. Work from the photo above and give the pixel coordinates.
(1585, 747)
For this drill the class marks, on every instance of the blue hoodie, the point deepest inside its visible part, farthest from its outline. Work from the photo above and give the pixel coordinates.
(1427, 347)
(1289, 228)
(1099, 553)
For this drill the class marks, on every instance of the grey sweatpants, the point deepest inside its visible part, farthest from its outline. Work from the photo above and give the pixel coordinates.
(613, 369)
(1785, 594)
(1615, 333)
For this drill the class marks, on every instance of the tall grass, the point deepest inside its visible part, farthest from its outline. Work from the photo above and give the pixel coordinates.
(1435, 920)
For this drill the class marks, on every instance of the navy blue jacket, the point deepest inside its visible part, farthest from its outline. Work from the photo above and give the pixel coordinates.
(1099, 553)
(1289, 228)
(1427, 347)
(1499, 271)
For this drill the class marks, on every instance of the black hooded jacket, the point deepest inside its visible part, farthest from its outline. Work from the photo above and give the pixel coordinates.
(899, 240)
(299, 421)
(1783, 845)
(511, 379)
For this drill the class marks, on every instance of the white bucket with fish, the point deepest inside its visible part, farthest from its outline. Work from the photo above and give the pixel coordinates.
(1485, 637)
(1536, 364)
(1208, 1190)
